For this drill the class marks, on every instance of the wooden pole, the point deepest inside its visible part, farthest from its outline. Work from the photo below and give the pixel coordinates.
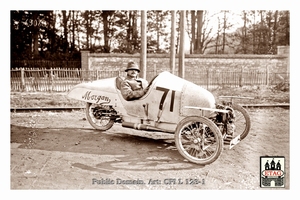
(172, 46)
(181, 48)
(143, 56)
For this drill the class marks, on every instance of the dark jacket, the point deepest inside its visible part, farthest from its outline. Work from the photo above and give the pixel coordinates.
(132, 89)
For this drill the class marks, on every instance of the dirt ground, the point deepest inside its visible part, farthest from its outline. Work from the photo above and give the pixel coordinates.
(60, 150)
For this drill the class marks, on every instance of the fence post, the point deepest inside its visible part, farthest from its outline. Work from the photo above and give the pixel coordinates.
(267, 75)
(241, 78)
(51, 79)
(22, 79)
(207, 78)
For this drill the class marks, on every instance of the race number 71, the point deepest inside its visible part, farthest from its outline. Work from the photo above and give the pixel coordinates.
(163, 98)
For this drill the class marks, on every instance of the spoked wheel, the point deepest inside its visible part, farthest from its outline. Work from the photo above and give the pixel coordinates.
(96, 115)
(242, 121)
(198, 140)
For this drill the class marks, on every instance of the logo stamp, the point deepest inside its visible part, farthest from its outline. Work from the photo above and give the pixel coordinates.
(272, 171)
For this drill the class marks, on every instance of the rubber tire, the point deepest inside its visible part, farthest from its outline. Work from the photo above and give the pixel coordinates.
(101, 128)
(244, 112)
(213, 128)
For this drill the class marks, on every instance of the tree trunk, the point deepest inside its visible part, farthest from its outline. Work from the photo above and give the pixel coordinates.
(173, 36)
(193, 21)
(224, 33)
(65, 26)
(274, 31)
(87, 16)
(260, 33)
(217, 38)
(35, 35)
(105, 31)
(73, 31)
(199, 31)
(143, 58)
(244, 46)
(135, 32)
(157, 30)
(254, 34)
(132, 32)
(287, 28)
(52, 35)
(128, 36)
(181, 68)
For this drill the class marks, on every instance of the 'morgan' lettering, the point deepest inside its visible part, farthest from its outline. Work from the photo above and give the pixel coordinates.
(97, 98)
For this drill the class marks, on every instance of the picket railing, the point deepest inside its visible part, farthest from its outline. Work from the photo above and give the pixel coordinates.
(61, 80)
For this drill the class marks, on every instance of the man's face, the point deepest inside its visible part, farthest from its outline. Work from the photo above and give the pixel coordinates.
(132, 73)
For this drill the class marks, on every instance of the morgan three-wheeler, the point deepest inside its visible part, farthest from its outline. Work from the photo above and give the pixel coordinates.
(201, 126)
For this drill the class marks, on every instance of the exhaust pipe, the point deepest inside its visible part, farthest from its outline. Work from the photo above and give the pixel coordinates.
(139, 126)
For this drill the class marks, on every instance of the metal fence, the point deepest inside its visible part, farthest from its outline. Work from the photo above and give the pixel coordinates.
(61, 80)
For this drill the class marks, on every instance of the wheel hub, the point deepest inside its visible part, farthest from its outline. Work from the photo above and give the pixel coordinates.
(197, 140)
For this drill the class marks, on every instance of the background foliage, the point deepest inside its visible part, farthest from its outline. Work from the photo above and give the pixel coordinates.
(60, 35)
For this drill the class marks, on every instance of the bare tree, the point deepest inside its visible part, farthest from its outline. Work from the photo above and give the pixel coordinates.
(244, 31)
(132, 32)
(65, 20)
(206, 32)
(217, 41)
(224, 31)
(106, 32)
(35, 34)
(199, 32)
(272, 18)
(193, 31)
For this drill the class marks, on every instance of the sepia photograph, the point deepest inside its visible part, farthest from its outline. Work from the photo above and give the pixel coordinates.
(150, 100)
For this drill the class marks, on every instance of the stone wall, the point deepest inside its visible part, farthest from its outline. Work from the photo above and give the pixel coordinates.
(193, 63)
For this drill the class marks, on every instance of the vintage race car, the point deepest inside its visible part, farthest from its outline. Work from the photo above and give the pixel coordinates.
(173, 105)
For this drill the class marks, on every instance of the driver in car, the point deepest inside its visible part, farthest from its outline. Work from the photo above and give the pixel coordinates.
(133, 87)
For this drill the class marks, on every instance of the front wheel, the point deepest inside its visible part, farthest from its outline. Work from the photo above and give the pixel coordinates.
(198, 140)
(97, 116)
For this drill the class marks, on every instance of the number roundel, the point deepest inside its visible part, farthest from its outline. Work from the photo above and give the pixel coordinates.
(163, 98)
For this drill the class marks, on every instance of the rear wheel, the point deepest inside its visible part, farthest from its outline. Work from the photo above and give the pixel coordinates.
(198, 140)
(242, 121)
(97, 116)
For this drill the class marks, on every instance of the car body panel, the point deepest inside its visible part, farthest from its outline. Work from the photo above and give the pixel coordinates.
(163, 105)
